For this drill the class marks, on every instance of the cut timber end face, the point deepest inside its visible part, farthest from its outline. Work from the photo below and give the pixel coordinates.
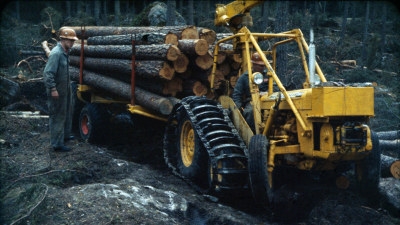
(171, 38)
(173, 53)
(204, 61)
(201, 47)
(395, 169)
(190, 33)
(167, 71)
(181, 64)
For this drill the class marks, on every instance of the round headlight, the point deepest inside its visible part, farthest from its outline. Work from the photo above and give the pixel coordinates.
(258, 78)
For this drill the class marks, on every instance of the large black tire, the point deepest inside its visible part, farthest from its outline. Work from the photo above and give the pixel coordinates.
(368, 171)
(94, 123)
(192, 158)
(257, 163)
(202, 146)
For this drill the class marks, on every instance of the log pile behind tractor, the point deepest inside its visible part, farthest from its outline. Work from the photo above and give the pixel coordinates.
(170, 62)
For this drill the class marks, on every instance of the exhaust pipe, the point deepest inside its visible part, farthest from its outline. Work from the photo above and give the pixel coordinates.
(311, 61)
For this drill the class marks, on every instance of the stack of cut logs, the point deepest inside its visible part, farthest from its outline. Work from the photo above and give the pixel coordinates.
(170, 62)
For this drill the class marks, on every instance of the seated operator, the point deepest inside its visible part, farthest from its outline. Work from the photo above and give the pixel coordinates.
(241, 93)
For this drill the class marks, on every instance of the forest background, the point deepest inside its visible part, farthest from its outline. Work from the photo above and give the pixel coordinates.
(364, 31)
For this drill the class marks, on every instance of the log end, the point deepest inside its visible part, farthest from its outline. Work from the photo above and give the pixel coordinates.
(171, 38)
(173, 53)
(204, 61)
(181, 64)
(165, 107)
(395, 169)
(167, 71)
(201, 47)
(190, 33)
(199, 89)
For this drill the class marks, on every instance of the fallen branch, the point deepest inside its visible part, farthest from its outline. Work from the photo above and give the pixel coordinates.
(51, 22)
(350, 64)
(45, 173)
(27, 63)
(30, 52)
(385, 72)
(34, 207)
(46, 48)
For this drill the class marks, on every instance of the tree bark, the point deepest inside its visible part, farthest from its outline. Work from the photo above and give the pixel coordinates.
(150, 68)
(184, 32)
(142, 52)
(115, 68)
(161, 87)
(121, 68)
(119, 88)
(225, 47)
(126, 39)
(388, 135)
(220, 36)
(149, 85)
(193, 46)
(31, 53)
(390, 145)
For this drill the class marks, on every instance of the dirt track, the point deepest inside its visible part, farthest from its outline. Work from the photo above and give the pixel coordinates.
(128, 183)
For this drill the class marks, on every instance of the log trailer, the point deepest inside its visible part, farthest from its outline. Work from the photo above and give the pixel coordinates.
(208, 142)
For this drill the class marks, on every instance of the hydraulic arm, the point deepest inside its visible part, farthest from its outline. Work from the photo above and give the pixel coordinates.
(235, 14)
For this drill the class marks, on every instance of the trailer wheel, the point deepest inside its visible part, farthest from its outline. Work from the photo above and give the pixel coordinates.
(368, 171)
(257, 163)
(192, 158)
(93, 123)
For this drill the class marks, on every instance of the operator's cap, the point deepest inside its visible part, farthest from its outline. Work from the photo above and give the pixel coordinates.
(68, 33)
(256, 59)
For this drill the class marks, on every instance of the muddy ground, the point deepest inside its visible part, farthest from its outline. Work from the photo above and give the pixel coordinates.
(125, 181)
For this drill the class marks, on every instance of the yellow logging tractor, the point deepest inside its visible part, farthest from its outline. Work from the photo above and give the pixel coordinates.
(209, 142)
(316, 128)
